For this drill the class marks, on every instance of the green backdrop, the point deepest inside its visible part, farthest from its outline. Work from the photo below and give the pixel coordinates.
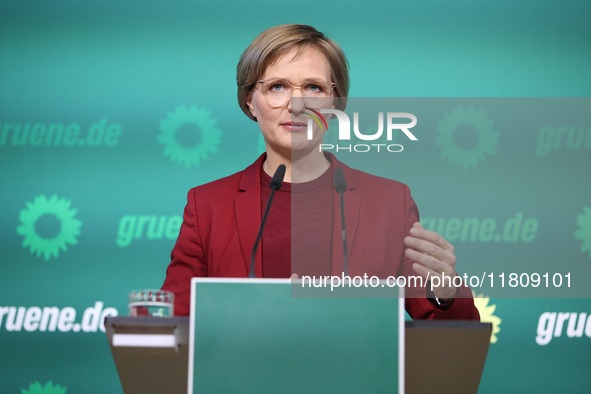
(110, 111)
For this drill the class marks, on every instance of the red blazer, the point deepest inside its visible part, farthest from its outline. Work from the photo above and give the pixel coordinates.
(222, 218)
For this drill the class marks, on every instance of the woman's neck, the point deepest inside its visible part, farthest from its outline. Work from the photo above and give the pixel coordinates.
(297, 169)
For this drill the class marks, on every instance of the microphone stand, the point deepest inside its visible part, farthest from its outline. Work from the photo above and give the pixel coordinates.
(275, 185)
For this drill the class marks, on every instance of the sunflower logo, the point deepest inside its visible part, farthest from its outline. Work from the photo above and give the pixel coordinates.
(174, 125)
(487, 314)
(584, 231)
(53, 209)
(49, 388)
(467, 137)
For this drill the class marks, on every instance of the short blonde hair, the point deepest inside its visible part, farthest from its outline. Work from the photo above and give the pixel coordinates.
(268, 46)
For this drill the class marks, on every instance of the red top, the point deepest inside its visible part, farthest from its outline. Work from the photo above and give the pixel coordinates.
(298, 233)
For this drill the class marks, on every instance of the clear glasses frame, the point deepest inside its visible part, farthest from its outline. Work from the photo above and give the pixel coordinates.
(278, 91)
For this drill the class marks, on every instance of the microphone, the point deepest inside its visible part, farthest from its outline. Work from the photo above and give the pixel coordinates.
(277, 179)
(275, 185)
(340, 185)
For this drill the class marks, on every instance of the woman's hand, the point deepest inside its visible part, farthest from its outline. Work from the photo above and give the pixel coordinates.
(433, 256)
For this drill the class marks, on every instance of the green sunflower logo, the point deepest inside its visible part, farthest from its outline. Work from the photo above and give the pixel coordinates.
(181, 145)
(467, 137)
(54, 213)
(584, 231)
(49, 388)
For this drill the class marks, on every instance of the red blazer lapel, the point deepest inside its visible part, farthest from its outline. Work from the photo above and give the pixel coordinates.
(248, 214)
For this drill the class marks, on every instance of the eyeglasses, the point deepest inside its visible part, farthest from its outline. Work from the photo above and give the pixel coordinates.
(277, 91)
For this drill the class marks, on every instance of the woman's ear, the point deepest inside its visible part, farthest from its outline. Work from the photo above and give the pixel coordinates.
(250, 106)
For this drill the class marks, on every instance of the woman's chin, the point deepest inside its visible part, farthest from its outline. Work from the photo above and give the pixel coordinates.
(295, 145)
(301, 144)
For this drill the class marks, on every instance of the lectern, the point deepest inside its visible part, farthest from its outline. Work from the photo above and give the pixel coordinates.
(253, 336)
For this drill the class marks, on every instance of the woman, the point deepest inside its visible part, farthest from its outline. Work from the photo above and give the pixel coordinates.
(302, 234)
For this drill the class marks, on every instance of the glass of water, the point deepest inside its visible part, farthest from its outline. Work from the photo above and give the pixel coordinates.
(149, 302)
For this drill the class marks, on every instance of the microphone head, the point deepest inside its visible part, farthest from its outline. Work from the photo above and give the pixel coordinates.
(340, 184)
(277, 179)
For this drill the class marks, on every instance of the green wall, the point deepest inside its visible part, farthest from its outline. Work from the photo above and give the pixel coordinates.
(110, 111)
